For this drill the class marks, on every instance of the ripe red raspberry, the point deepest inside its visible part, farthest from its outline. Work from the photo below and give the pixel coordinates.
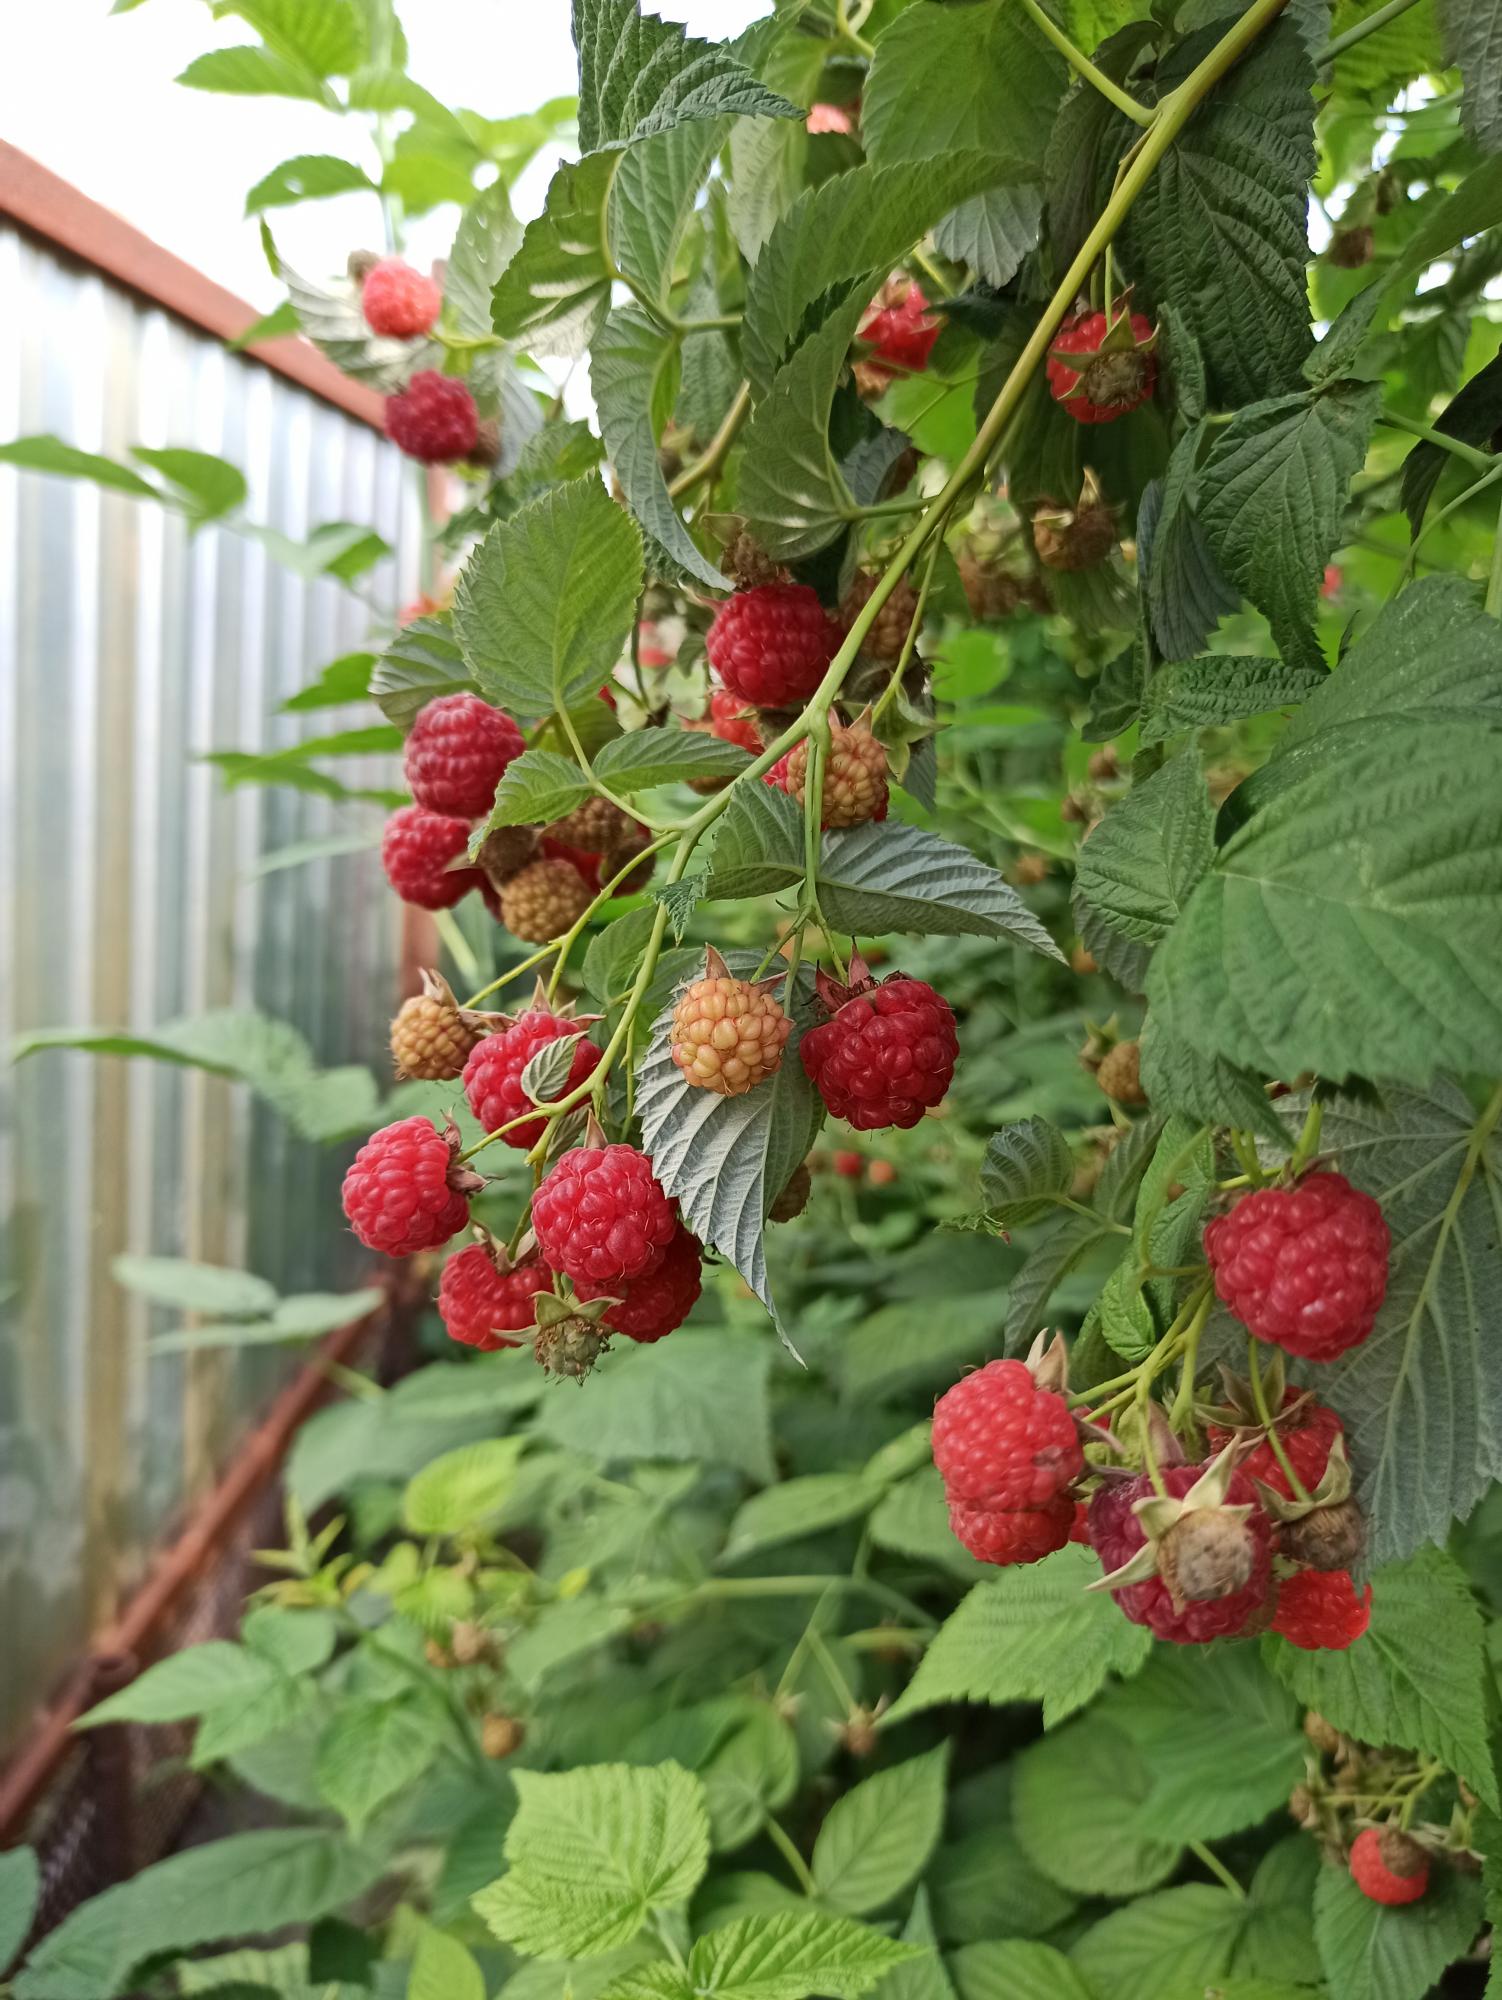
(732, 721)
(1388, 1866)
(399, 301)
(541, 901)
(601, 1216)
(1304, 1267)
(1322, 1610)
(493, 1074)
(887, 1053)
(457, 752)
(1101, 368)
(418, 851)
(654, 1305)
(1117, 1535)
(855, 776)
(849, 1166)
(481, 1305)
(433, 419)
(1079, 1527)
(899, 334)
(1001, 1442)
(406, 1190)
(728, 1033)
(1012, 1535)
(1306, 1432)
(770, 646)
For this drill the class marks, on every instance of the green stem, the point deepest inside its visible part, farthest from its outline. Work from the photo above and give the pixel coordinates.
(1183, 1403)
(1494, 581)
(1217, 1868)
(1266, 1418)
(1308, 1140)
(1479, 460)
(848, 32)
(717, 448)
(909, 644)
(1362, 29)
(1082, 66)
(782, 1840)
(581, 758)
(1451, 507)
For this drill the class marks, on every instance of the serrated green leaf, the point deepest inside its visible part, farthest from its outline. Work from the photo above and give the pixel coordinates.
(1373, 1953)
(1141, 864)
(20, 1886)
(307, 177)
(992, 232)
(1222, 1711)
(895, 877)
(1416, 1679)
(652, 199)
(1273, 495)
(537, 787)
(1015, 1969)
(462, 1488)
(555, 292)
(1178, 1078)
(751, 1772)
(343, 680)
(1219, 230)
(329, 36)
(791, 1957)
(725, 1159)
(49, 454)
(592, 1853)
(1208, 693)
(1026, 1165)
(940, 81)
(1034, 1634)
(1177, 1937)
(645, 758)
(544, 605)
(1186, 594)
(246, 71)
(791, 490)
(248, 1883)
(983, 1882)
(629, 360)
(443, 1969)
(373, 1749)
(210, 487)
(1350, 925)
(799, 1507)
(1471, 34)
(1049, 1261)
(199, 1288)
(878, 1837)
(1079, 1800)
(639, 75)
(187, 1683)
(1473, 416)
(422, 662)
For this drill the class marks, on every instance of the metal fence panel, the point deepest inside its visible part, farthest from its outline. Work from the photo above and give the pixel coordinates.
(128, 897)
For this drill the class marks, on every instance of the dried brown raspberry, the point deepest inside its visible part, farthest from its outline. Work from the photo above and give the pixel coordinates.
(594, 826)
(1326, 1538)
(728, 1033)
(542, 900)
(1030, 869)
(747, 563)
(1077, 537)
(888, 635)
(504, 850)
(501, 1735)
(430, 1038)
(1349, 249)
(1119, 1075)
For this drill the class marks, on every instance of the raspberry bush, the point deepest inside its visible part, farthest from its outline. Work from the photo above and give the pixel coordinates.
(959, 1438)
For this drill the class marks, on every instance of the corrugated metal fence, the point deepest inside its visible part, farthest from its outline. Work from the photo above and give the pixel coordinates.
(128, 896)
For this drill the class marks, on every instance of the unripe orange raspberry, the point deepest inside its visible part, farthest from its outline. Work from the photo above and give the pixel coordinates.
(855, 775)
(728, 1034)
(1120, 1074)
(501, 1735)
(888, 635)
(430, 1038)
(541, 900)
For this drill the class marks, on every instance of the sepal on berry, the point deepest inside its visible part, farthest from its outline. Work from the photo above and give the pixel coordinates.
(570, 1336)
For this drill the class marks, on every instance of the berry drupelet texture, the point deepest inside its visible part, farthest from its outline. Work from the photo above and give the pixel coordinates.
(1304, 1267)
(398, 301)
(1322, 1611)
(483, 1306)
(493, 1073)
(1117, 1535)
(770, 646)
(457, 752)
(1000, 1441)
(602, 1218)
(886, 1056)
(404, 1192)
(434, 419)
(419, 852)
(655, 1305)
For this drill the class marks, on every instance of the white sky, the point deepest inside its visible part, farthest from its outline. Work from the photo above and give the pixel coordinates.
(92, 96)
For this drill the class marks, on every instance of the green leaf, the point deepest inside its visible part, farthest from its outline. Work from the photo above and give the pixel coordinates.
(1025, 1166)
(629, 362)
(895, 877)
(792, 492)
(943, 80)
(704, 1397)
(592, 1853)
(373, 1749)
(992, 232)
(912, 1519)
(537, 787)
(343, 680)
(327, 35)
(1014, 1969)
(1186, 594)
(210, 487)
(295, 1640)
(652, 199)
(463, 1488)
(1183, 1936)
(726, 1159)
(922, 1978)
(645, 758)
(307, 177)
(1374, 1953)
(1079, 1806)
(878, 1837)
(1473, 416)
(44, 453)
(555, 292)
(1221, 1711)
(752, 1770)
(248, 1883)
(1209, 693)
(1207, 1089)
(1350, 925)
(333, 318)
(799, 1507)
(444, 1969)
(1274, 487)
(791, 1957)
(281, 320)
(201, 1288)
(1471, 33)
(1219, 230)
(1034, 1634)
(1141, 864)
(639, 75)
(487, 239)
(253, 72)
(544, 606)
(343, 549)
(20, 1887)
(422, 662)
(1418, 1677)
(188, 1683)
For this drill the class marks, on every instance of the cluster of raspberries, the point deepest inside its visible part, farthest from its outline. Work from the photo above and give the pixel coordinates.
(434, 419)
(536, 881)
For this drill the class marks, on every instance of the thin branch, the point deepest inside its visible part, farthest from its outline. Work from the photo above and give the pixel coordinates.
(1081, 64)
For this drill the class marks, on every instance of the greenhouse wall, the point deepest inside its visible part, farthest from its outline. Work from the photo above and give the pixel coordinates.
(134, 891)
